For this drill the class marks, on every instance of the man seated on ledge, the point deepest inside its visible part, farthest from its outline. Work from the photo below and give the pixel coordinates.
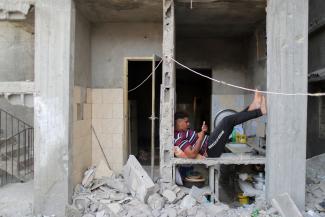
(190, 144)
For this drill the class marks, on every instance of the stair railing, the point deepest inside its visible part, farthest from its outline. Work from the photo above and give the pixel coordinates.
(16, 149)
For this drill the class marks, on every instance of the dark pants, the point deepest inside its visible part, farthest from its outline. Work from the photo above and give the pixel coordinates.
(220, 135)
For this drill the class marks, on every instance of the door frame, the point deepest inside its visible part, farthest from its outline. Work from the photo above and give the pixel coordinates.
(126, 145)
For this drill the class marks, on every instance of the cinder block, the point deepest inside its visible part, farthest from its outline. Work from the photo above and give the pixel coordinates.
(89, 95)
(137, 180)
(97, 96)
(87, 111)
(75, 112)
(117, 110)
(108, 96)
(117, 139)
(77, 94)
(107, 110)
(108, 125)
(118, 124)
(117, 95)
(97, 111)
(97, 125)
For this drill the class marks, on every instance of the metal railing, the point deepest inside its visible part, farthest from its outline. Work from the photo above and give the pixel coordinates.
(16, 149)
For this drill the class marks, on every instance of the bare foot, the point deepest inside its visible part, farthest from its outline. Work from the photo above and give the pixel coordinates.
(263, 106)
(257, 101)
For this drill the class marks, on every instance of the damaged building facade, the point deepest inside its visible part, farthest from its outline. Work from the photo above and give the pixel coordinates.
(71, 69)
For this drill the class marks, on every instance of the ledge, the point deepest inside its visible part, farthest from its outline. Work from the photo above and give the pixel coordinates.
(17, 87)
(226, 158)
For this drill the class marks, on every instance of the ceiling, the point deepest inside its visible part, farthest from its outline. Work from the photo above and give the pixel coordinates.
(207, 18)
(121, 10)
(213, 18)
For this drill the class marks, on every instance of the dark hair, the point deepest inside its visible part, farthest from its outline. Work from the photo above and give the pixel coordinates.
(180, 115)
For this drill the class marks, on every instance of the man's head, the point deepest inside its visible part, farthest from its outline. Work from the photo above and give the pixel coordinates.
(182, 122)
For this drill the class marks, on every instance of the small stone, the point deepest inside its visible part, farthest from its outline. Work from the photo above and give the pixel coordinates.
(155, 201)
(187, 202)
(115, 207)
(169, 195)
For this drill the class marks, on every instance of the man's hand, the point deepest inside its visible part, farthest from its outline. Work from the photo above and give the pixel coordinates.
(204, 127)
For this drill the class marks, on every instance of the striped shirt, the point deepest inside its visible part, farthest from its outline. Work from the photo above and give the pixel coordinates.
(185, 139)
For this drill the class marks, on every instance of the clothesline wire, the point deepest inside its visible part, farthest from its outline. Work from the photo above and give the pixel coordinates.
(226, 83)
(146, 77)
(244, 88)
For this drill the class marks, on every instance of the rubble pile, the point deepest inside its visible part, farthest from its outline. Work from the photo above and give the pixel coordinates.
(134, 194)
(315, 185)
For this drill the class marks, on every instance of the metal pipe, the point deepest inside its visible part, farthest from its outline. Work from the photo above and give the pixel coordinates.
(153, 117)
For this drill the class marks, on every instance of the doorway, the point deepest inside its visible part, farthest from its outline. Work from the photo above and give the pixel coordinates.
(140, 90)
(194, 96)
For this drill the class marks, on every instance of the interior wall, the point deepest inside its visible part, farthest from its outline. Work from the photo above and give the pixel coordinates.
(82, 108)
(112, 42)
(256, 73)
(227, 57)
(16, 52)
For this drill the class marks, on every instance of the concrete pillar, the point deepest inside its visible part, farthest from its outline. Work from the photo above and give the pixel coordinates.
(287, 48)
(54, 79)
(167, 101)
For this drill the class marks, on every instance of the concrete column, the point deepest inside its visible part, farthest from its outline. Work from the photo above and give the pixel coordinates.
(54, 79)
(287, 48)
(167, 101)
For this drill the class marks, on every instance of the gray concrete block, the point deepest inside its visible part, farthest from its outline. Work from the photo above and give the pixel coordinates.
(137, 179)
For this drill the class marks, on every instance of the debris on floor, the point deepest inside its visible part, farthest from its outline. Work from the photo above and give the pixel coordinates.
(133, 193)
(315, 186)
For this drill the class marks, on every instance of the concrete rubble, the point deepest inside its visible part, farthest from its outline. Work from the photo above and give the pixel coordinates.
(119, 195)
(315, 186)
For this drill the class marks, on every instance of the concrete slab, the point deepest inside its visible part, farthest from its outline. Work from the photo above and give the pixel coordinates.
(137, 180)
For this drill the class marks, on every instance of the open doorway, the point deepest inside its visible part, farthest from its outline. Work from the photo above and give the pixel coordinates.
(194, 96)
(140, 108)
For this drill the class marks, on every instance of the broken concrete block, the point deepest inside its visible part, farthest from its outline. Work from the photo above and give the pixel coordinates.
(170, 212)
(117, 184)
(137, 179)
(198, 194)
(101, 214)
(285, 206)
(71, 211)
(102, 170)
(88, 177)
(169, 195)
(187, 202)
(81, 203)
(155, 201)
(321, 206)
(215, 209)
(115, 207)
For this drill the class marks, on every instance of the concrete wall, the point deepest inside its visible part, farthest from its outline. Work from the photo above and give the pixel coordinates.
(227, 58)
(111, 42)
(256, 72)
(82, 52)
(16, 52)
(82, 143)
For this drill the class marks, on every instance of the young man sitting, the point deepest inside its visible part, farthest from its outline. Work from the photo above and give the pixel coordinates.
(189, 144)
